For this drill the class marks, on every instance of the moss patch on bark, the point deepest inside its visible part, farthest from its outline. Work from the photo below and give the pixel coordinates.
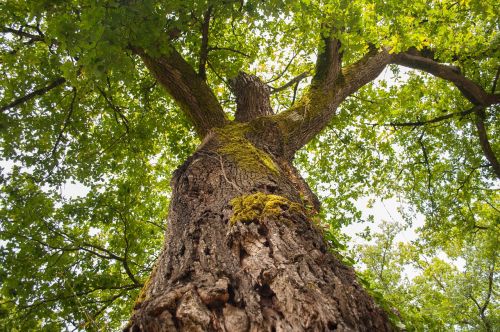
(143, 292)
(248, 208)
(242, 152)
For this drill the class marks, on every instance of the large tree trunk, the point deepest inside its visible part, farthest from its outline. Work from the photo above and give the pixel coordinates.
(241, 252)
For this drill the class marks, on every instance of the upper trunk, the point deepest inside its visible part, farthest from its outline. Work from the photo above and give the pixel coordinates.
(241, 252)
(252, 97)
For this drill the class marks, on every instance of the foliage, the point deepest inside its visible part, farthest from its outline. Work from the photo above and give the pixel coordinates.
(427, 286)
(78, 107)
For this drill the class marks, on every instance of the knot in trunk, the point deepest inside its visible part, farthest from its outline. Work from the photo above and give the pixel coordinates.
(252, 97)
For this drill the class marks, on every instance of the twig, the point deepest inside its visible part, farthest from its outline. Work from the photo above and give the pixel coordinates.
(280, 75)
(65, 124)
(423, 123)
(295, 80)
(228, 49)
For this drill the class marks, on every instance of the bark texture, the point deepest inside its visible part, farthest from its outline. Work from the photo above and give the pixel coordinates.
(241, 252)
(252, 97)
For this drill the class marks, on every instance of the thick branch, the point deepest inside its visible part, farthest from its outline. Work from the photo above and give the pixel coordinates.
(329, 88)
(31, 95)
(472, 91)
(495, 81)
(185, 86)
(364, 71)
(329, 62)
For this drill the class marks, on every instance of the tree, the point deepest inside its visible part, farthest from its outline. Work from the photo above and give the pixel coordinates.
(83, 101)
(440, 296)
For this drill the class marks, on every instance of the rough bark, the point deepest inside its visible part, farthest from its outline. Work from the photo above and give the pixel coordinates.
(241, 251)
(252, 97)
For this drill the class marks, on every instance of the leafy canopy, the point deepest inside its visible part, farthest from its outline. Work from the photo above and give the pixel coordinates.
(79, 106)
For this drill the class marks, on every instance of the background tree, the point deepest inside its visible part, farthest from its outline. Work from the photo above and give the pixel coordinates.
(83, 101)
(430, 292)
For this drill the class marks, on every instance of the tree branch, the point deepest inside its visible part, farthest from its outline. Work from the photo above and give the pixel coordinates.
(427, 164)
(21, 33)
(471, 90)
(293, 81)
(487, 300)
(115, 109)
(280, 75)
(65, 124)
(329, 63)
(190, 91)
(126, 267)
(364, 71)
(228, 49)
(495, 81)
(485, 143)
(435, 120)
(39, 92)
(330, 86)
(202, 65)
(43, 301)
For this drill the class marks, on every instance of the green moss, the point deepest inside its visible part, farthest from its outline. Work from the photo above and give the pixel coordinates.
(241, 151)
(142, 293)
(306, 109)
(252, 207)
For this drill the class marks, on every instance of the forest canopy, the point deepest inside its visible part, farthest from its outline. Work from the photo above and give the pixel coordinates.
(80, 108)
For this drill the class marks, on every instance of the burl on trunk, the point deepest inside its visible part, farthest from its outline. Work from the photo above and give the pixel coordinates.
(241, 251)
